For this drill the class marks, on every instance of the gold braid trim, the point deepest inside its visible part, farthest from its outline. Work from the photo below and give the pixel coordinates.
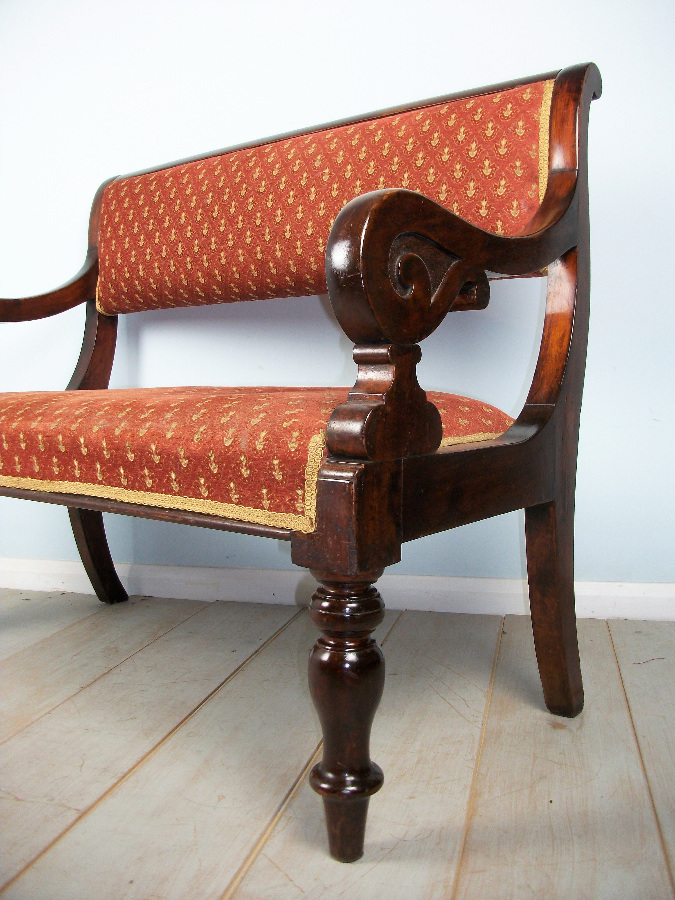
(471, 438)
(314, 460)
(304, 523)
(98, 308)
(544, 129)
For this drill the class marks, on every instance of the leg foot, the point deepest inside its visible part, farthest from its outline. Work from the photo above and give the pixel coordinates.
(549, 532)
(346, 677)
(92, 545)
(346, 824)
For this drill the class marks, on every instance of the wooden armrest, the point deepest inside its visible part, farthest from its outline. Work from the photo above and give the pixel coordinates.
(397, 262)
(80, 288)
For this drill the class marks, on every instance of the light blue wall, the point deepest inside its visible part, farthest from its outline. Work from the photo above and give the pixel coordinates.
(92, 88)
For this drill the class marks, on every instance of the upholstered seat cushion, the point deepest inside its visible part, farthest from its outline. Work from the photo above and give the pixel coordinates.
(251, 454)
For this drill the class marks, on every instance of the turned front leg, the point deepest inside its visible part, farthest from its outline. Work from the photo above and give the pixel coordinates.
(346, 679)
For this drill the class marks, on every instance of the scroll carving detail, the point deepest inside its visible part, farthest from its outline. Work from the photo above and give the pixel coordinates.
(423, 272)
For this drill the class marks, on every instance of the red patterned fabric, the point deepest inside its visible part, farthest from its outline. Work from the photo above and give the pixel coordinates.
(253, 224)
(251, 454)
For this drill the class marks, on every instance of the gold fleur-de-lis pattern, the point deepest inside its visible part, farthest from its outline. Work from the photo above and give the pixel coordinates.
(253, 223)
(250, 454)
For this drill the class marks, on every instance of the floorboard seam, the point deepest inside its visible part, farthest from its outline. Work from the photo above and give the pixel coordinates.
(152, 750)
(54, 633)
(642, 762)
(102, 674)
(399, 619)
(255, 851)
(479, 753)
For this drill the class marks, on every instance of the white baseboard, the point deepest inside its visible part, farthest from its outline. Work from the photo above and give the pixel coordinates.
(595, 599)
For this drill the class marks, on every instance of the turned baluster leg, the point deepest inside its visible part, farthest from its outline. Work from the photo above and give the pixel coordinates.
(346, 678)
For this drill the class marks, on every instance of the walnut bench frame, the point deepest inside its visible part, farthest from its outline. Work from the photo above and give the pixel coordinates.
(396, 263)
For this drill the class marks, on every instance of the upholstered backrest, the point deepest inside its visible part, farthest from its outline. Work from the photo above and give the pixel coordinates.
(253, 223)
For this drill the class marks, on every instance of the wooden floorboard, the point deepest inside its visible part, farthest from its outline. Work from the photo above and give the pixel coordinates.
(27, 617)
(562, 807)
(160, 750)
(180, 824)
(59, 766)
(426, 737)
(646, 655)
(41, 676)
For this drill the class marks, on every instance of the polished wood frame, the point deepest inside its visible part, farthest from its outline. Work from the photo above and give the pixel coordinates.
(396, 264)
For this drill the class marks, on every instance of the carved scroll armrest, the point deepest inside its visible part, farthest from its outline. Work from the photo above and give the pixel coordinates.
(396, 264)
(80, 288)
